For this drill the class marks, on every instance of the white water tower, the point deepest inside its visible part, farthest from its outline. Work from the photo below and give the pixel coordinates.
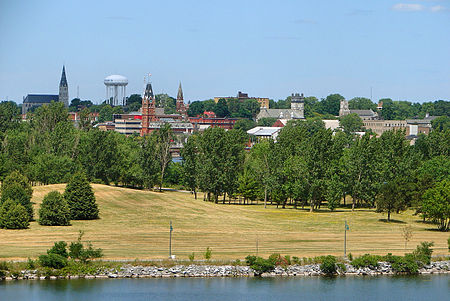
(116, 89)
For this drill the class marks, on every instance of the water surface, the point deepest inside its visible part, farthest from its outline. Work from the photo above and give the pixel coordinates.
(436, 287)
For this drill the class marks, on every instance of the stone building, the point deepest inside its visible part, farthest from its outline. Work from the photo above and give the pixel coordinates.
(363, 114)
(295, 112)
(32, 101)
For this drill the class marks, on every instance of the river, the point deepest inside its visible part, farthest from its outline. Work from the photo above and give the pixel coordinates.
(430, 287)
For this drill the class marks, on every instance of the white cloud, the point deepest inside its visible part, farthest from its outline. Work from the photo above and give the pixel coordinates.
(437, 8)
(408, 7)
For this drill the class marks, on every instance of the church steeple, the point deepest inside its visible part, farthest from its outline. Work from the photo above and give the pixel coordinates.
(181, 107)
(64, 88)
(180, 93)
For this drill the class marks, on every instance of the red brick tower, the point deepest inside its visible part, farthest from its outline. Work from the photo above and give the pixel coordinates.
(148, 109)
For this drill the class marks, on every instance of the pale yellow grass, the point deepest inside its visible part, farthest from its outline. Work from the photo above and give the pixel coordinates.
(135, 224)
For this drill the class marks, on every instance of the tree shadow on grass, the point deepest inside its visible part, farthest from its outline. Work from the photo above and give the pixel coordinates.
(393, 221)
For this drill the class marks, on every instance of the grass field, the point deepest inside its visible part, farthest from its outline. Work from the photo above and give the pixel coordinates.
(135, 224)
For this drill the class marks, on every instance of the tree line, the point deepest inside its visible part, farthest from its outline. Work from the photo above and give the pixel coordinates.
(307, 167)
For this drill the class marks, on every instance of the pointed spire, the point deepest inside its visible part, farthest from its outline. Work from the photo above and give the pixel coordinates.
(180, 93)
(63, 82)
(148, 91)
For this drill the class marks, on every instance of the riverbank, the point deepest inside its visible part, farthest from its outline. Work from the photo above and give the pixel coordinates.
(139, 271)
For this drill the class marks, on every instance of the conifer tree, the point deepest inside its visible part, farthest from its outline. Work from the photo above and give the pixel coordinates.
(80, 198)
(13, 215)
(54, 210)
(17, 188)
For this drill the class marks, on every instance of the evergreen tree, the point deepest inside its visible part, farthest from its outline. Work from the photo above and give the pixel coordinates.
(80, 198)
(13, 215)
(54, 210)
(16, 187)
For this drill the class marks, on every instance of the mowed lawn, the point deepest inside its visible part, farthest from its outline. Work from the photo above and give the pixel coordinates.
(135, 224)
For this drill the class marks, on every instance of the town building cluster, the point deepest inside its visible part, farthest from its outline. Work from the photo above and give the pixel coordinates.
(151, 118)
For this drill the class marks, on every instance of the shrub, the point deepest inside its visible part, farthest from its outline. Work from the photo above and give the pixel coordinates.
(4, 266)
(191, 257)
(366, 260)
(78, 251)
(277, 259)
(328, 266)
(31, 264)
(250, 259)
(80, 198)
(208, 253)
(423, 252)
(13, 216)
(17, 188)
(295, 260)
(341, 266)
(448, 243)
(262, 265)
(59, 248)
(54, 210)
(287, 258)
(406, 264)
(350, 256)
(53, 260)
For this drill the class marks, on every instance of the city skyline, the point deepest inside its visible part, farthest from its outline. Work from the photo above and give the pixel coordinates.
(396, 50)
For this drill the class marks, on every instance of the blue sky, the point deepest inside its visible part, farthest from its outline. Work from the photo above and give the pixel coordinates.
(400, 48)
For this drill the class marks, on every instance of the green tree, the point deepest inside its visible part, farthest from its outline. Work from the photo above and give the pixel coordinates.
(436, 204)
(148, 161)
(80, 198)
(351, 123)
(361, 103)
(16, 187)
(189, 153)
(441, 123)
(266, 121)
(105, 113)
(331, 104)
(195, 108)
(13, 215)
(9, 116)
(244, 125)
(54, 210)
(164, 139)
(47, 117)
(221, 108)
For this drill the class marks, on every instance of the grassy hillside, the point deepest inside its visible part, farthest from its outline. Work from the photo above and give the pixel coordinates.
(135, 224)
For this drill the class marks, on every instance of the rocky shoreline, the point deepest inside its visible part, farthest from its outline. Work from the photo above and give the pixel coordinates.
(129, 271)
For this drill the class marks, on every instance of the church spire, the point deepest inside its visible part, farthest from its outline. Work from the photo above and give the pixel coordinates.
(63, 82)
(180, 93)
(64, 89)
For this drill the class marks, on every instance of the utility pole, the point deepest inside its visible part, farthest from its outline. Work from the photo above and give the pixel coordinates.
(170, 240)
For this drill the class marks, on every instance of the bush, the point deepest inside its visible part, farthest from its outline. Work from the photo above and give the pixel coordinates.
(328, 266)
(13, 216)
(16, 187)
(208, 253)
(423, 252)
(191, 257)
(261, 265)
(53, 260)
(78, 251)
(4, 266)
(295, 260)
(31, 264)
(59, 248)
(366, 260)
(54, 210)
(406, 264)
(80, 198)
(448, 243)
(277, 259)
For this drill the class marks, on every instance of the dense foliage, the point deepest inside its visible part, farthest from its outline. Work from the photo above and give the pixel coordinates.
(13, 215)
(54, 210)
(80, 198)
